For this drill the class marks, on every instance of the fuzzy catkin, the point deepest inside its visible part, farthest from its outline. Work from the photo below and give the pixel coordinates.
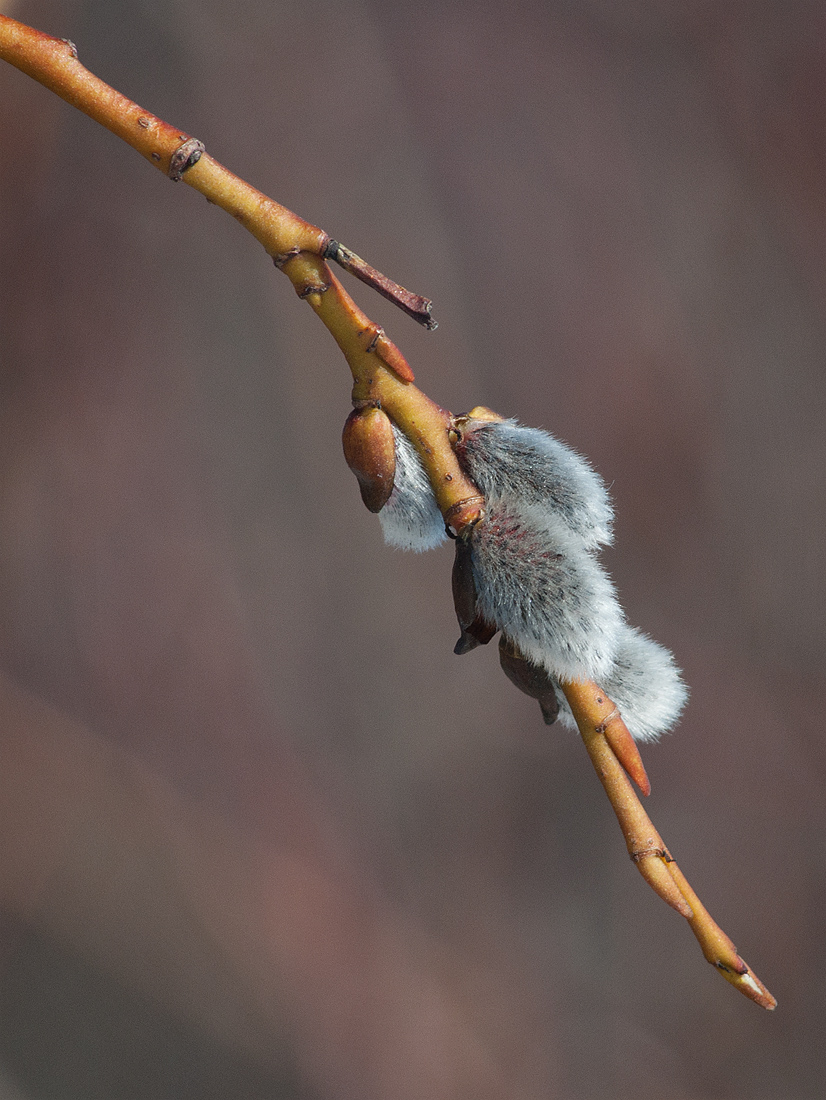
(535, 572)
(644, 683)
(536, 583)
(509, 461)
(411, 519)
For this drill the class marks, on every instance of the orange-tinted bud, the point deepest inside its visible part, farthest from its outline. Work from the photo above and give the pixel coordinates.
(475, 630)
(370, 451)
(532, 679)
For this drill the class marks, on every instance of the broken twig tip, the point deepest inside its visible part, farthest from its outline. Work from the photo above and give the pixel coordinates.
(414, 305)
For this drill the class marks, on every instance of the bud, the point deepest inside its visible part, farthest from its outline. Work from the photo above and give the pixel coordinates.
(644, 683)
(509, 461)
(475, 631)
(538, 584)
(370, 452)
(482, 412)
(411, 519)
(530, 678)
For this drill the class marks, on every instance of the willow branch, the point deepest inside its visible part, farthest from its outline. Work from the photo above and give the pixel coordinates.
(381, 373)
(381, 376)
(592, 709)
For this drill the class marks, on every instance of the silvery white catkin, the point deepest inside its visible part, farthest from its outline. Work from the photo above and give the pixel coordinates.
(535, 572)
(510, 461)
(538, 584)
(411, 519)
(644, 683)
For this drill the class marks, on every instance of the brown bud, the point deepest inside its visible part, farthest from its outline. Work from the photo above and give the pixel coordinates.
(370, 451)
(475, 630)
(530, 678)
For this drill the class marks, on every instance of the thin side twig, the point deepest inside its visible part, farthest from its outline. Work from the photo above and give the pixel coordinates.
(414, 305)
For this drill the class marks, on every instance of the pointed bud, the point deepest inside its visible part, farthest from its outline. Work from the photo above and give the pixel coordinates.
(370, 452)
(475, 630)
(530, 678)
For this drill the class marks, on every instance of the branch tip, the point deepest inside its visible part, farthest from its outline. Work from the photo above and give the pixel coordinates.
(743, 978)
(592, 710)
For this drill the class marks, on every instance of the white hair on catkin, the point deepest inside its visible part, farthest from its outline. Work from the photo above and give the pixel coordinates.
(510, 461)
(411, 519)
(645, 684)
(536, 582)
(534, 570)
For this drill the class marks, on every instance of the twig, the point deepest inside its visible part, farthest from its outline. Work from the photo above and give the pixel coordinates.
(646, 848)
(381, 373)
(414, 305)
(382, 378)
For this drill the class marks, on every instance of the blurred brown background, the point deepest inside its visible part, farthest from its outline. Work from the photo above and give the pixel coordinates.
(261, 834)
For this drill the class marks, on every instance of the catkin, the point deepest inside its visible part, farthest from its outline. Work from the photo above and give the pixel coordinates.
(549, 596)
(529, 568)
(509, 462)
(411, 519)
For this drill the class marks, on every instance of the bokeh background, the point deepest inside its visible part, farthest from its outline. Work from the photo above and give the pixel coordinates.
(261, 834)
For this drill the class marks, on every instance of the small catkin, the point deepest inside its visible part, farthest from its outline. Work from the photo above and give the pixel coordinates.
(509, 461)
(411, 519)
(536, 582)
(644, 683)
